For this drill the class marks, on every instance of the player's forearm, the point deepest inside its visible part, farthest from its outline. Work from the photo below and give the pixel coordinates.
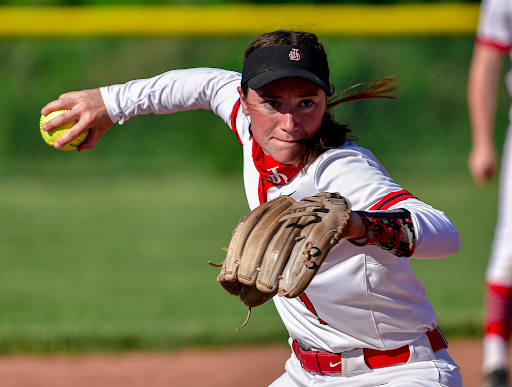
(482, 89)
(436, 236)
(423, 232)
(167, 93)
(481, 101)
(390, 230)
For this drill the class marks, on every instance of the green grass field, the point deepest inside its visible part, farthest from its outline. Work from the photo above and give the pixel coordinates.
(117, 263)
(107, 250)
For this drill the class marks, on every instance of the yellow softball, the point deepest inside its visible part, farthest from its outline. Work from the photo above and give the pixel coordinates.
(51, 136)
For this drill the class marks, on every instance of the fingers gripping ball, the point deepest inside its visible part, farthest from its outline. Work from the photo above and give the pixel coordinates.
(53, 135)
(279, 246)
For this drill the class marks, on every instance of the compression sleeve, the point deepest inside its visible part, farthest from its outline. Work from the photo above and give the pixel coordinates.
(390, 230)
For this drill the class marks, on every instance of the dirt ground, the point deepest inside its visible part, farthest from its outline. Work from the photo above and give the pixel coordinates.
(189, 368)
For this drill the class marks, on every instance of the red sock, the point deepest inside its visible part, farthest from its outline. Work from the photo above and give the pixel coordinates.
(498, 310)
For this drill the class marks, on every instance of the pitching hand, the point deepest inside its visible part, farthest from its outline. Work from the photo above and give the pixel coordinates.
(482, 163)
(88, 109)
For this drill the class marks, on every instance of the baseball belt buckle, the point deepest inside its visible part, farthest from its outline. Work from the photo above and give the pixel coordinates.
(303, 346)
(442, 337)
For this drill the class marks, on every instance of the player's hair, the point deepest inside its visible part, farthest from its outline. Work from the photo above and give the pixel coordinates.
(331, 134)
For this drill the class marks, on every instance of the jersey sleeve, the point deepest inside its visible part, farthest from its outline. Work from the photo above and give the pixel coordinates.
(494, 24)
(174, 91)
(357, 175)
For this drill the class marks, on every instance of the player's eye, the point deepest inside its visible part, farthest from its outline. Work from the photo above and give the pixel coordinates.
(271, 103)
(307, 103)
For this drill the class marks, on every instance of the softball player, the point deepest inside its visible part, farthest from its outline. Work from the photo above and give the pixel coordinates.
(364, 320)
(493, 43)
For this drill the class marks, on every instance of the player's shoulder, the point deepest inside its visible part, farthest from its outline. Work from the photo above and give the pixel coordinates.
(349, 153)
(226, 74)
(494, 22)
(207, 77)
(496, 5)
(354, 172)
(209, 71)
(347, 162)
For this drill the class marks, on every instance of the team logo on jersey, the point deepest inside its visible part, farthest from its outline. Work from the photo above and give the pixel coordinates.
(294, 54)
(275, 178)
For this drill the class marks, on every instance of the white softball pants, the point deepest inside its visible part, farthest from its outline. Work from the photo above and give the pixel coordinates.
(499, 268)
(424, 369)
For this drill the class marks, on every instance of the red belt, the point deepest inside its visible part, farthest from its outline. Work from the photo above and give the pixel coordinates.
(322, 362)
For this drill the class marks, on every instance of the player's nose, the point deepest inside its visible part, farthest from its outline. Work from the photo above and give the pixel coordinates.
(289, 122)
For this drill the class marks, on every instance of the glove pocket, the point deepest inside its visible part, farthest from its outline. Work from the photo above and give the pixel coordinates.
(308, 254)
(244, 229)
(276, 255)
(260, 236)
(252, 297)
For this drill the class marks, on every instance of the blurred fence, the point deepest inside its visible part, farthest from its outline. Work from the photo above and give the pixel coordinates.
(426, 128)
(239, 19)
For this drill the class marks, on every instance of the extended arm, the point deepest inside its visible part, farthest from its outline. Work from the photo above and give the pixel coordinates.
(482, 85)
(173, 91)
(428, 234)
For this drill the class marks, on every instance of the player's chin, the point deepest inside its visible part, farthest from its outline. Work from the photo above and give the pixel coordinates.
(289, 154)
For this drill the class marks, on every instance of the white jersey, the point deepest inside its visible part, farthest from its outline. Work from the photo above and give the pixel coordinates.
(362, 297)
(495, 28)
(495, 23)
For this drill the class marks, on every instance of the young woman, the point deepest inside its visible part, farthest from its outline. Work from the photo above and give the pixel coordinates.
(492, 45)
(364, 320)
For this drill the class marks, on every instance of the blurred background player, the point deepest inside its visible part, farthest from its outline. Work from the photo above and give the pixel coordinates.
(493, 43)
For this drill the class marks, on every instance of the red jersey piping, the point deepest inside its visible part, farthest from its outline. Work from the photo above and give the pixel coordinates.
(391, 199)
(234, 115)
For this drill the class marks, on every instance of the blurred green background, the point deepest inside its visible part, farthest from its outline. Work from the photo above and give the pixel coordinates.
(106, 250)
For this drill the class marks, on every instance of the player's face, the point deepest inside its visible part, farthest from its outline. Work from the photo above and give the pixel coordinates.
(284, 115)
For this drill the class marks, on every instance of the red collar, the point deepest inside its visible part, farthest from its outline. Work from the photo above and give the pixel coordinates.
(271, 172)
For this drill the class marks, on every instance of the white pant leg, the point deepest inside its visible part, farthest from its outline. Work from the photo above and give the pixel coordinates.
(499, 269)
(283, 381)
(295, 376)
(448, 374)
(495, 353)
(438, 372)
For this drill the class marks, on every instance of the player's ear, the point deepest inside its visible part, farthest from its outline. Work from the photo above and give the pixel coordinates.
(243, 102)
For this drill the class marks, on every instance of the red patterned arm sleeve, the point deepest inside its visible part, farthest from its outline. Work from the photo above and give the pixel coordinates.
(390, 230)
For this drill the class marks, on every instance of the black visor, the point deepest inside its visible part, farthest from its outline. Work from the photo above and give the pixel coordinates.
(270, 63)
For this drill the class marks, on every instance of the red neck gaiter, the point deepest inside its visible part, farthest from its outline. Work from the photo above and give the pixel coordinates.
(271, 172)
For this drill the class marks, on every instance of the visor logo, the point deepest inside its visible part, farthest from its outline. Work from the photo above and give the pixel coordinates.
(294, 54)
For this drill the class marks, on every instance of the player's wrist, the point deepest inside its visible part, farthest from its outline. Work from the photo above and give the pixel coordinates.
(356, 227)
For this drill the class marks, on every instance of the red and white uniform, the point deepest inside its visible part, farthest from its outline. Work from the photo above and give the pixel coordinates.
(362, 297)
(495, 29)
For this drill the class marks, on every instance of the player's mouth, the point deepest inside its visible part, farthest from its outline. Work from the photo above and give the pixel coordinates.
(291, 142)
